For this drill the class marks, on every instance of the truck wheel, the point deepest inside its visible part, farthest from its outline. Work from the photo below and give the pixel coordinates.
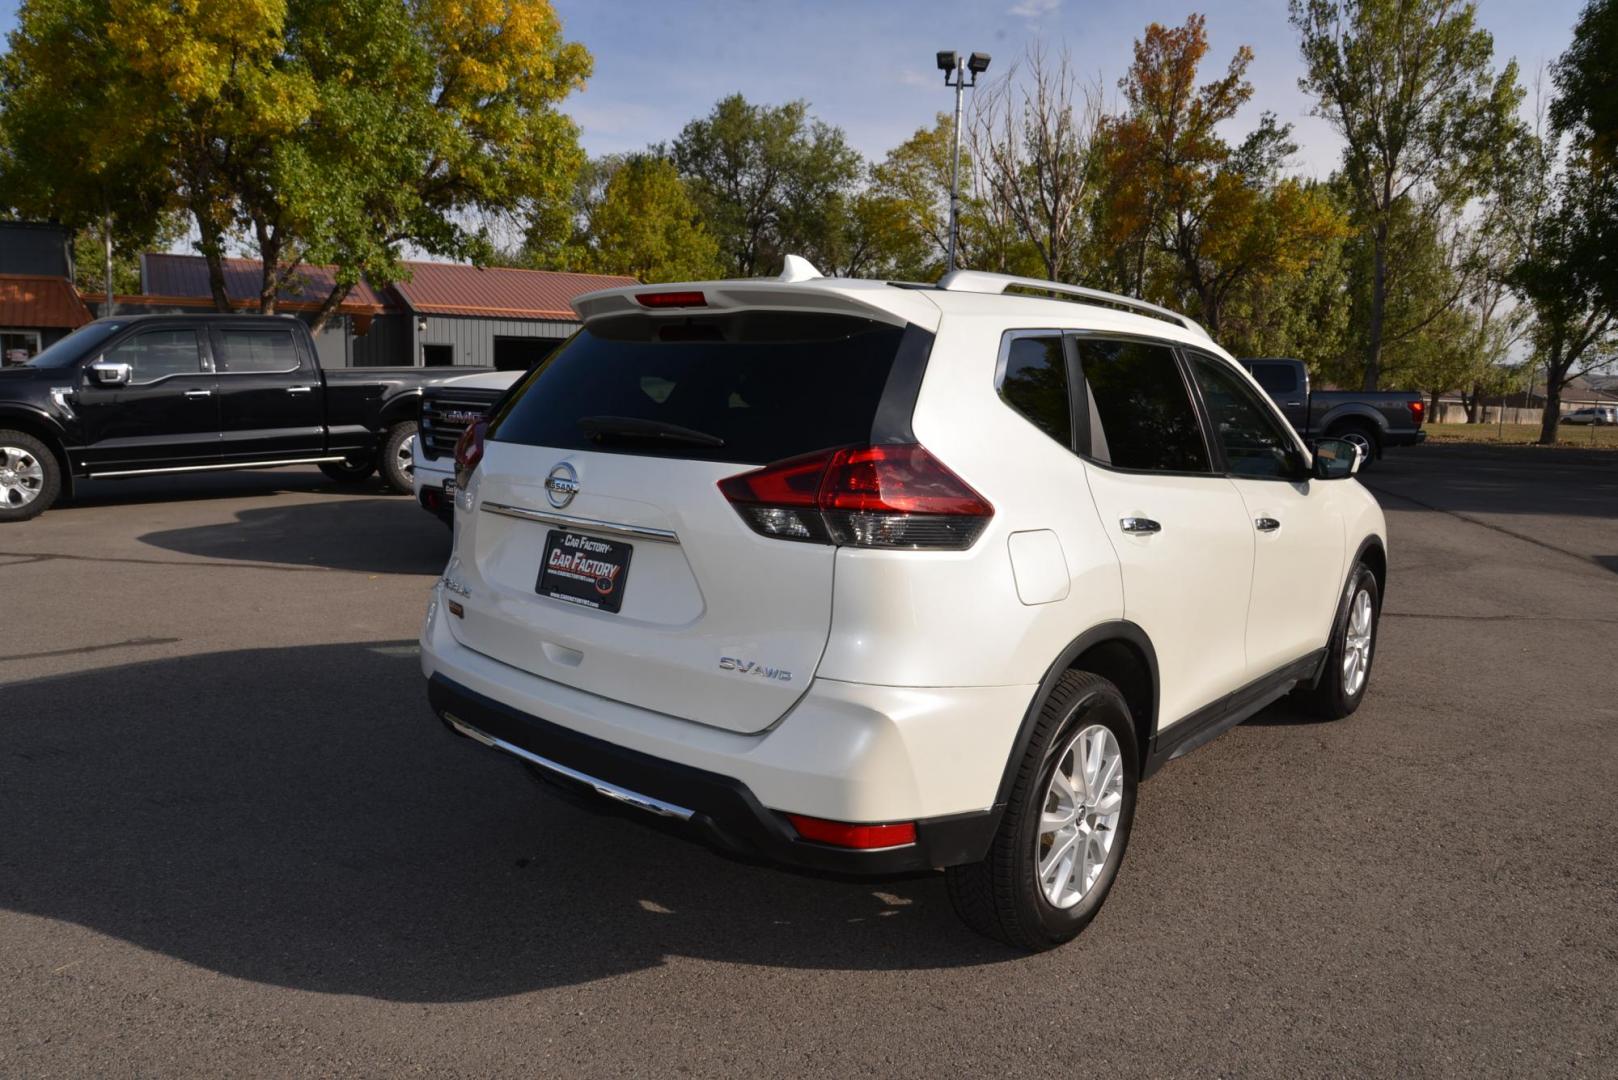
(1349, 654)
(1362, 435)
(348, 472)
(1065, 827)
(398, 461)
(30, 478)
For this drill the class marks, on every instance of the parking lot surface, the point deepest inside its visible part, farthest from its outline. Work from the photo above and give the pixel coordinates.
(235, 841)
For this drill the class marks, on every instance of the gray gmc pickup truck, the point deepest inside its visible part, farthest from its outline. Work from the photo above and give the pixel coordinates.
(1371, 419)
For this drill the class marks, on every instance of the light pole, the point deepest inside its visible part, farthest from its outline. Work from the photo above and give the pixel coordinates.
(953, 63)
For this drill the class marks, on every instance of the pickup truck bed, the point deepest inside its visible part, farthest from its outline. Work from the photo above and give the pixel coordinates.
(1372, 419)
(189, 393)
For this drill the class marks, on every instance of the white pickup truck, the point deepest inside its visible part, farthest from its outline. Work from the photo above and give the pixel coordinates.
(446, 411)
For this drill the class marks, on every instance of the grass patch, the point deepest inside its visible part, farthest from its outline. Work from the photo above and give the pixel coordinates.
(1601, 437)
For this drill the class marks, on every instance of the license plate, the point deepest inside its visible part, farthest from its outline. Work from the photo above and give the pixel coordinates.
(584, 570)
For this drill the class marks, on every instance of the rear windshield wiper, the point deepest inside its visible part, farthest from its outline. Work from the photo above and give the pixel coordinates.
(634, 427)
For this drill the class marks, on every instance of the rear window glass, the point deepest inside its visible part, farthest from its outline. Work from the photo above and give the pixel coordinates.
(750, 388)
(1035, 384)
(1276, 378)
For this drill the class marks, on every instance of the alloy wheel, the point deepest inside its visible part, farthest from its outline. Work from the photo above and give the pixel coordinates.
(1357, 644)
(22, 477)
(1078, 820)
(405, 457)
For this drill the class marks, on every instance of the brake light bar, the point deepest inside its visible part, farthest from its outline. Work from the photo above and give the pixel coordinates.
(845, 835)
(888, 496)
(690, 298)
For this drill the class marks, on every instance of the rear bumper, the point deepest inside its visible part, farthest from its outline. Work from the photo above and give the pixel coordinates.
(705, 806)
(1405, 438)
(845, 752)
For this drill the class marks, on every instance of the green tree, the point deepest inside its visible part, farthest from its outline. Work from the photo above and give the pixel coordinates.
(1410, 86)
(646, 224)
(1221, 217)
(1587, 84)
(770, 180)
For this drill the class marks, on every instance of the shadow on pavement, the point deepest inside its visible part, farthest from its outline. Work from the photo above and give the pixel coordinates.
(298, 817)
(380, 536)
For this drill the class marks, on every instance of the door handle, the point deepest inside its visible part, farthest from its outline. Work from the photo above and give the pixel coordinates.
(1139, 526)
(299, 389)
(1294, 404)
(1266, 524)
(198, 393)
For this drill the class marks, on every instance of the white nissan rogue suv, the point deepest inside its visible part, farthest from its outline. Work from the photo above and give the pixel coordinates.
(877, 578)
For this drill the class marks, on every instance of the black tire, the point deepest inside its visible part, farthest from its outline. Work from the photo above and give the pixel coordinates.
(1333, 698)
(1361, 434)
(32, 477)
(349, 472)
(394, 462)
(1001, 896)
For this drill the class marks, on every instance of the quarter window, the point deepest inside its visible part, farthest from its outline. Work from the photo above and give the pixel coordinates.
(157, 354)
(1255, 442)
(1035, 384)
(1140, 414)
(256, 351)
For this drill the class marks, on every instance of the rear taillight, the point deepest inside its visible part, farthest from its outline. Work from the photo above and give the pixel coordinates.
(1418, 411)
(468, 452)
(868, 496)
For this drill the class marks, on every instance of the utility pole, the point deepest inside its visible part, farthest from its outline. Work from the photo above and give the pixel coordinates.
(111, 306)
(956, 65)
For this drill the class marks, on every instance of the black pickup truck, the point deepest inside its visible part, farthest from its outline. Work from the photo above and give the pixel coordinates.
(153, 394)
(1373, 420)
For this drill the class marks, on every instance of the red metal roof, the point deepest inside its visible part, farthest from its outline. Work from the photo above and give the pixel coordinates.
(187, 275)
(28, 302)
(457, 289)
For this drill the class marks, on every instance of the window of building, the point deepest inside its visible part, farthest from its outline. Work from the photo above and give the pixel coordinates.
(438, 355)
(18, 346)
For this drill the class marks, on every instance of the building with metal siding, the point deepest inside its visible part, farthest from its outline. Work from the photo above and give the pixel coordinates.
(445, 315)
(38, 302)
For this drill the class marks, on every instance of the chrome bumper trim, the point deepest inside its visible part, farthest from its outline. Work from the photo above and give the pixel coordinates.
(611, 791)
(568, 521)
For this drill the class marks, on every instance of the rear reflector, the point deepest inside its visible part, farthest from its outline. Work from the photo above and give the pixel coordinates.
(842, 834)
(897, 496)
(671, 299)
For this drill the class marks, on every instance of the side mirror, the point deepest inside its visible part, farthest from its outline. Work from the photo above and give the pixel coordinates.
(1335, 459)
(105, 374)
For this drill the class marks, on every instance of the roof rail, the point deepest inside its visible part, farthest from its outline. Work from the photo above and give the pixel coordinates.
(978, 281)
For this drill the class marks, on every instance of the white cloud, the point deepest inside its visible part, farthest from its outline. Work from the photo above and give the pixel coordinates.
(1035, 9)
(926, 80)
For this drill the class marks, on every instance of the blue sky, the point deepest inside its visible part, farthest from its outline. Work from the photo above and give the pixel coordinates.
(868, 66)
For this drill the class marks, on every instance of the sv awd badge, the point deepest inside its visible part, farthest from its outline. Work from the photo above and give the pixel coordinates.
(751, 667)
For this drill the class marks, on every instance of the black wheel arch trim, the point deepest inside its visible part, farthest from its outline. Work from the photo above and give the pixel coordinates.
(1119, 630)
(47, 429)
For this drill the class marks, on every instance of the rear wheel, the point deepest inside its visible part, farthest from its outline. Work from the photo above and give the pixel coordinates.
(398, 460)
(1348, 658)
(1362, 435)
(30, 478)
(1066, 825)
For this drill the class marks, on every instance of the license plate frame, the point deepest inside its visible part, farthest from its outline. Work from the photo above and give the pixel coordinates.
(585, 570)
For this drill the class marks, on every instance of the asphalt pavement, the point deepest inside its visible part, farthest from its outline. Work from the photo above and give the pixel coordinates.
(235, 841)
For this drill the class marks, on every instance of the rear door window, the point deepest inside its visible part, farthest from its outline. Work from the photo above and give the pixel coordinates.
(752, 388)
(1034, 383)
(261, 352)
(1139, 411)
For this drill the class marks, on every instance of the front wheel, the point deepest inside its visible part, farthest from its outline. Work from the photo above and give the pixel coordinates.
(348, 472)
(398, 460)
(1348, 657)
(1066, 825)
(30, 478)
